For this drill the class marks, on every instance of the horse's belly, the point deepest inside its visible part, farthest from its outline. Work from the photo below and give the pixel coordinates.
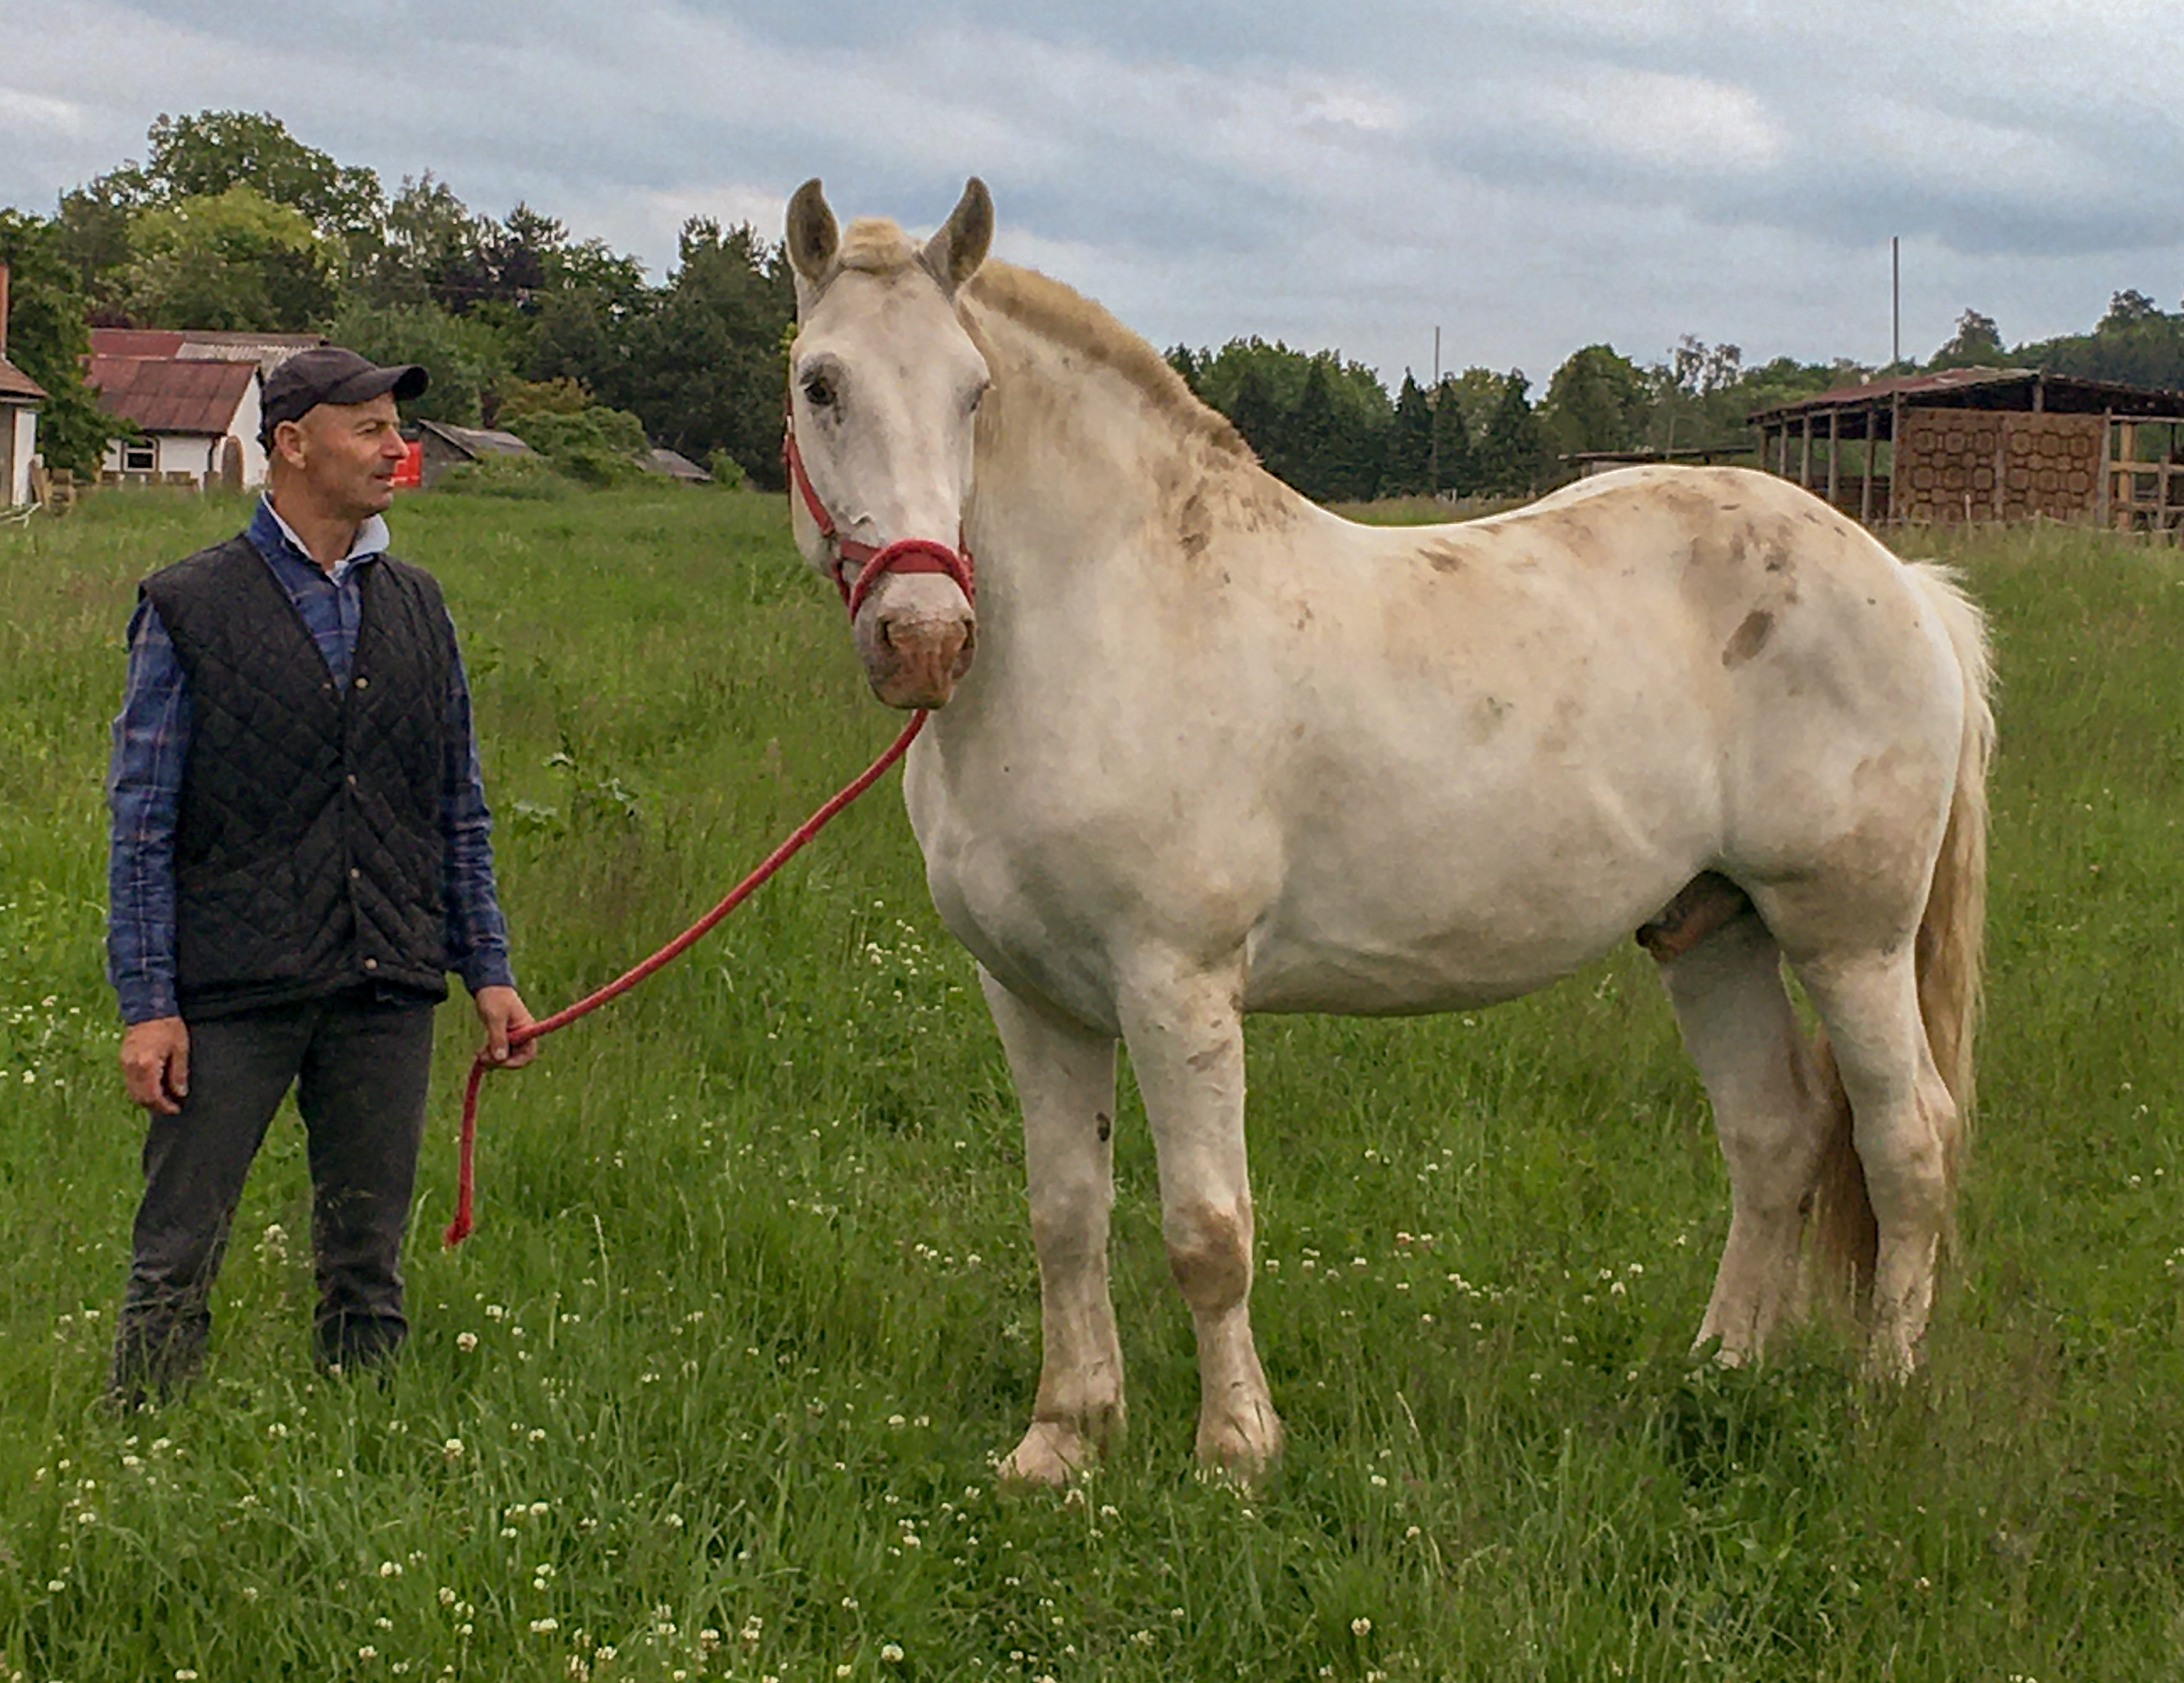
(1346, 961)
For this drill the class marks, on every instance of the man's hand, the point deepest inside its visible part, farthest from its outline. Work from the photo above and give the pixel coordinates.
(503, 1012)
(155, 1063)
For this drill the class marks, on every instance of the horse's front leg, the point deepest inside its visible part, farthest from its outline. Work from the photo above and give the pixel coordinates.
(1065, 1080)
(1186, 1039)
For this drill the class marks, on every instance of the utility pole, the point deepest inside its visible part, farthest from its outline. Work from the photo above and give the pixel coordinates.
(1894, 302)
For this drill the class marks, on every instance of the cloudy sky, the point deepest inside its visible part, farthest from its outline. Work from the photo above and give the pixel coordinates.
(1530, 175)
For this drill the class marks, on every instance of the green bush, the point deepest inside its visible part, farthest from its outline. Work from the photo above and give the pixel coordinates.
(597, 446)
(530, 479)
(727, 473)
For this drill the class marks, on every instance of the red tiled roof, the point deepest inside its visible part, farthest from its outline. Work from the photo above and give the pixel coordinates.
(14, 383)
(135, 341)
(162, 395)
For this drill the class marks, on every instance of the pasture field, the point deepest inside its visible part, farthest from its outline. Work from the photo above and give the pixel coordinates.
(714, 1391)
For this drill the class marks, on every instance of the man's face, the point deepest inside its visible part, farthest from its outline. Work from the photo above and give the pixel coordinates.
(345, 454)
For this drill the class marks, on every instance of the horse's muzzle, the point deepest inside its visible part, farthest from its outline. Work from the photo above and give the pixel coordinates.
(915, 660)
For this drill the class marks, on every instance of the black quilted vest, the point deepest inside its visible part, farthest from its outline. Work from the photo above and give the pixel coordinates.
(307, 849)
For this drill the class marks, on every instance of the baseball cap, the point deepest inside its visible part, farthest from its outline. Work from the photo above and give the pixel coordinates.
(331, 375)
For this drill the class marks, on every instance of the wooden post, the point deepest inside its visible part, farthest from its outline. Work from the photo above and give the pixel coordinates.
(2102, 500)
(1865, 479)
(1895, 453)
(1805, 455)
(1835, 450)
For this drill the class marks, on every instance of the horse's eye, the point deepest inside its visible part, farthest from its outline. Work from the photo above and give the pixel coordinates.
(819, 392)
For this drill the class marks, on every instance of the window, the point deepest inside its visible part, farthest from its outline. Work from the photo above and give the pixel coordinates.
(140, 457)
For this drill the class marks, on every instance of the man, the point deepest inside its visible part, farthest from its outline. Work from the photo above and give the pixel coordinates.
(300, 853)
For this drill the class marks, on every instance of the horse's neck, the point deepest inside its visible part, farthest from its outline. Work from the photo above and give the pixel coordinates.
(1079, 468)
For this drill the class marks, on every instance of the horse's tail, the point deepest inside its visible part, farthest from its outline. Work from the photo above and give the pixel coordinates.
(1949, 954)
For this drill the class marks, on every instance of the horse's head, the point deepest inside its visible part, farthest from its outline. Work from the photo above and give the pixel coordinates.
(883, 388)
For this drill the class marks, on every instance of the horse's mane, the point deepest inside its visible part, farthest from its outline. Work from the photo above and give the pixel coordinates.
(876, 246)
(1056, 312)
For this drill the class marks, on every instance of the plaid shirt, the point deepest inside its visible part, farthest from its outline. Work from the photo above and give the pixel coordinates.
(151, 746)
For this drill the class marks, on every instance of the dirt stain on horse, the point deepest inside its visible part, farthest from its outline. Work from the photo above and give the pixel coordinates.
(1748, 639)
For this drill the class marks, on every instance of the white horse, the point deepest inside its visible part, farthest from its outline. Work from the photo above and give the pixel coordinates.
(1221, 752)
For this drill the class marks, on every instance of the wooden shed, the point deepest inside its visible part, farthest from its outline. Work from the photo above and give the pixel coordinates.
(443, 446)
(1986, 444)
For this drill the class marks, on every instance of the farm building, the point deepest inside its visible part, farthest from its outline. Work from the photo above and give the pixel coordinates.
(677, 466)
(1986, 444)
(192, 398)
(19, 397)
(443, 446)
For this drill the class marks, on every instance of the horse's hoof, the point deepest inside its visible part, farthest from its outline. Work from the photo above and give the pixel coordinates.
(1050, 1455)
(1245, 1451)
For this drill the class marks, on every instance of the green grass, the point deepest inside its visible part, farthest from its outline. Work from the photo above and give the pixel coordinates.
(753, 1301)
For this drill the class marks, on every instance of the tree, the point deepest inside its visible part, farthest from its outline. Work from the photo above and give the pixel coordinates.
(1597, 400)
(47, 340)
(427, 250)
(2128, 309)
(1977, 344)
(1407, 465)
(1513, 451)
(1456, 461)
(701, 362)
(204, 155)
(469, 362)
(236, 260)
(1257, 415)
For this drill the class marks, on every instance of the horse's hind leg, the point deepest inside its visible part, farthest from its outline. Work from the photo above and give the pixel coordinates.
(1065, 1080)
(1769, 1114)
(1902, 1121)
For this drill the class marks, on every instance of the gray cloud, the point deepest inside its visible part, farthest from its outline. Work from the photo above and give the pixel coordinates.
(1531, 177)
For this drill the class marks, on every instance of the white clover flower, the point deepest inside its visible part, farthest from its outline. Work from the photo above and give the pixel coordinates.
(390, 1568)
(452, 1449)
(891, 1652)
(1361, 1626)
(466, 1341)
(544, 1627)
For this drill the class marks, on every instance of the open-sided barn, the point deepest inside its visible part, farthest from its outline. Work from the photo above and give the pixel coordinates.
(1969, 444)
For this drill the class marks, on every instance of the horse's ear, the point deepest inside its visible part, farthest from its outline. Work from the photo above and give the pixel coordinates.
(955, 253)
(812, 239)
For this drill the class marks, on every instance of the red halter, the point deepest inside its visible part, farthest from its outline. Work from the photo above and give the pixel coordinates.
(905, 554)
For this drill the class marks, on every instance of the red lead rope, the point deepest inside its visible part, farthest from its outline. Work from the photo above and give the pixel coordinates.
(910, 555)
(459, 1229)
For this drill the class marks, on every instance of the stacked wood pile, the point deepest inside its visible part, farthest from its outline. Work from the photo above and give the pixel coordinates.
(1956, 465)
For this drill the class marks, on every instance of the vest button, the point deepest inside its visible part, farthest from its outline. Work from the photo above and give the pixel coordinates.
(372, 964)
(353, 874)
(363, 684)
(352, 780)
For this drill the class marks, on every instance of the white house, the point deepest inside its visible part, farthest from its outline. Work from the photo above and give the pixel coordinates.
(193, 397)
(19, 397)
